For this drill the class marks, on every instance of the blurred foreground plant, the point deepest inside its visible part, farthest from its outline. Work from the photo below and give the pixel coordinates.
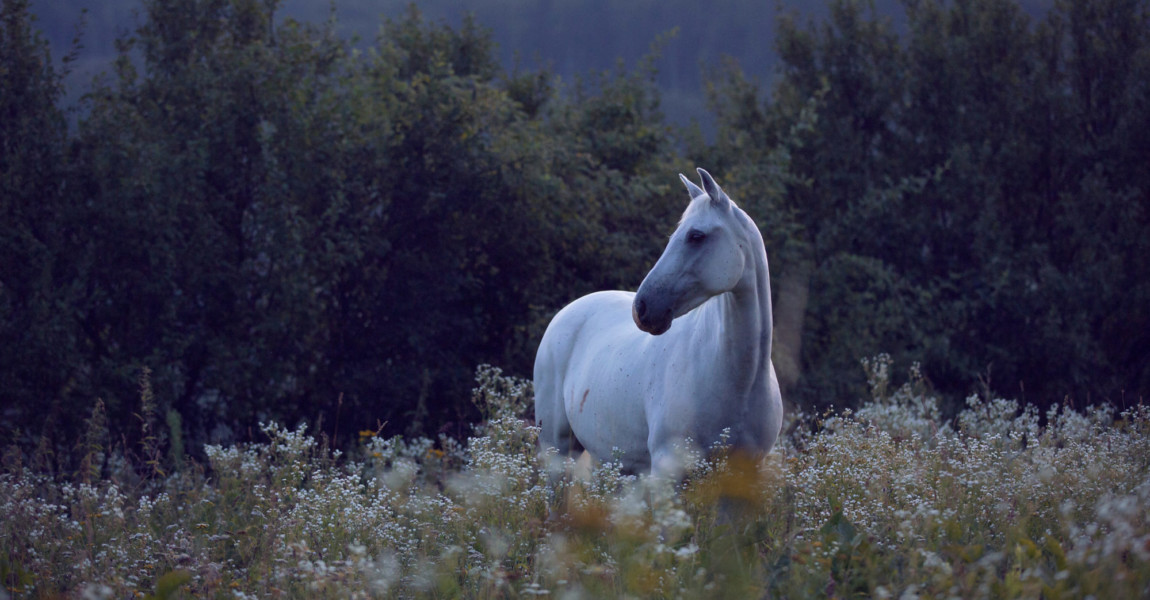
(883, 502)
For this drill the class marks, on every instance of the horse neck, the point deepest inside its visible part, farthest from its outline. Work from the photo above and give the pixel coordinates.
(746, 314)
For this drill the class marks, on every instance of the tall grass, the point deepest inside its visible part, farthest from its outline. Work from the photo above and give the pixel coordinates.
(886, 501)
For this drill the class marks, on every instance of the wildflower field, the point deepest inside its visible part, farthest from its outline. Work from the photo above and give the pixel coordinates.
(889, 501)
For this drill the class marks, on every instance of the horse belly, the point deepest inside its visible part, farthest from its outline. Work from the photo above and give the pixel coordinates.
(604, 399)
(607, 416)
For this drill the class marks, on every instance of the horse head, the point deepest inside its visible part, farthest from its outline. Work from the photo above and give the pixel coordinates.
(706, 256)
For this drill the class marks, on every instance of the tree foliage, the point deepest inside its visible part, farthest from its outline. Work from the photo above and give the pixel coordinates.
(280, 223)
(282, 226)
(38, 340)
(972, 193)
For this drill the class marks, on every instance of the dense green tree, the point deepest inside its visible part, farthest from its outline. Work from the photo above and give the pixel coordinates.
(972, 193)
(38, 342)
(281, 224)
(290, 222)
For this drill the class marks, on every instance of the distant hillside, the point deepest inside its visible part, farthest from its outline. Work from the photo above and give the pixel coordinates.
(570, 37)
(573, 38)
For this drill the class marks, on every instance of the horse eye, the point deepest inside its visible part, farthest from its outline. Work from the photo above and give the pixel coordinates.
(695, 236)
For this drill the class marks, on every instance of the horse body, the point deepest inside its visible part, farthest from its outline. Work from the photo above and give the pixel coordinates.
(613, 377)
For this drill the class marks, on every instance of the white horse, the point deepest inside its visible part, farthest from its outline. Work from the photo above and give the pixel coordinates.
(613, 377)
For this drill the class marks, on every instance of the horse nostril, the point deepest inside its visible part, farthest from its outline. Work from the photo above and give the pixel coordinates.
(640, 308)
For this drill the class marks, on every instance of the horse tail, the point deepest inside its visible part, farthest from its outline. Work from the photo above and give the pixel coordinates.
(550, 409)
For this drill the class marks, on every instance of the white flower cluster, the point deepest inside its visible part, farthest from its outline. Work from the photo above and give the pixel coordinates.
(1079, 484)
(1004, 501)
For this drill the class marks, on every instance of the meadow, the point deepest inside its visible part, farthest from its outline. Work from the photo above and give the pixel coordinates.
(888, 501)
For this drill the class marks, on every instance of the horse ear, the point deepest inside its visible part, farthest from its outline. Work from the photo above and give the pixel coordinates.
(692, 189)
(718, 196)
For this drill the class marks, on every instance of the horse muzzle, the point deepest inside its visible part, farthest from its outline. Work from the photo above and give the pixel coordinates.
(652, 322)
